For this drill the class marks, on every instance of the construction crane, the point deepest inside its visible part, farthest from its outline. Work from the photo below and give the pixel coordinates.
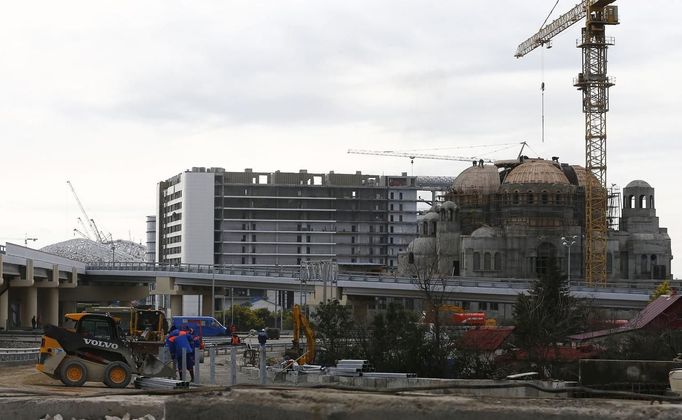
(594, 84)
(80, 233)
(26, 239)
(413, 156)
(96, 234)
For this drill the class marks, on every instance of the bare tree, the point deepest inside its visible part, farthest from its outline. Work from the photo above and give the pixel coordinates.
(423, 268)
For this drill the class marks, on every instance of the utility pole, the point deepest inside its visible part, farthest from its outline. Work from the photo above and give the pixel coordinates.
(213, 290)
(232, 306)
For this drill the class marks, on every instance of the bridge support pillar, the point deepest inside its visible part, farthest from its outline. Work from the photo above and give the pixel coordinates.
(176, 305)
(29, 305)
(207, 304)
(67, 307)
(4, 309)
(48, 302)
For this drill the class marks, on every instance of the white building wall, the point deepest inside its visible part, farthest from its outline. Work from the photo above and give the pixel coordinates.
(198, 191)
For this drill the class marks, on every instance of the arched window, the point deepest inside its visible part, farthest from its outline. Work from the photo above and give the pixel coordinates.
(651, 202)
(631, 202)
(477, 261)
(451, 215)
(544, 198)
(515, 198)
(425, 229)
(498, 261)
(433, 228)
(487, 261)
(557, 198)
(642, 201)
(530, 197)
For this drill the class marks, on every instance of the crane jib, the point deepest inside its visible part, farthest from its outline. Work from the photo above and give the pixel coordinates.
(560, 24)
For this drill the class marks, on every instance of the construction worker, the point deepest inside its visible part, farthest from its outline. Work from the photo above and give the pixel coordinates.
(262, 337)
(170, 345)
(184, 340)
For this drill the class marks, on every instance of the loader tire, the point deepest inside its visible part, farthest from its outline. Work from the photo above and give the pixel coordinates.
(73, 372)
(117, 375)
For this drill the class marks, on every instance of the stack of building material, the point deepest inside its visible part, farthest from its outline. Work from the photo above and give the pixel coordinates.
(160, 383)
(350, 367)
(310, 368)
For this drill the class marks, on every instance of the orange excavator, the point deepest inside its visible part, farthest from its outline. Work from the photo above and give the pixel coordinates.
(300, 321)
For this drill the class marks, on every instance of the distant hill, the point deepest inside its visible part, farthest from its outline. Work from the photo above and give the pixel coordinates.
(87, 251)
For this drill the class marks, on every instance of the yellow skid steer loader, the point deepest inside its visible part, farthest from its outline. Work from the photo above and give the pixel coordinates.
(96, 350)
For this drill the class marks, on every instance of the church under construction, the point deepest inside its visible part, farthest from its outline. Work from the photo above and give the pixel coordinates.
(509, 219)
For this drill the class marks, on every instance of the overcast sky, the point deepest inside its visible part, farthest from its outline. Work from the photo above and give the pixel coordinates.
(116, 96)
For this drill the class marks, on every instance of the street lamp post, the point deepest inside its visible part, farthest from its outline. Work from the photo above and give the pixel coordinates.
(231, 306)
(568, 242)
(213, 290)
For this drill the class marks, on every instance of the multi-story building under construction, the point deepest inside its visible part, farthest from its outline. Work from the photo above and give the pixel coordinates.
(211, 216)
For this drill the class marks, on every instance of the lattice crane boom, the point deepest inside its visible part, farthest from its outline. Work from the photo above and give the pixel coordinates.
(548, 32)
(416, 155)
(91, 224)
(594, 84)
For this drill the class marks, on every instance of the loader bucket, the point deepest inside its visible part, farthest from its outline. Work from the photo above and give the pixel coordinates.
(156, 368)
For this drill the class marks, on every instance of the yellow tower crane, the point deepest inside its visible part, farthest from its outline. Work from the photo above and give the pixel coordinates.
(594, 83)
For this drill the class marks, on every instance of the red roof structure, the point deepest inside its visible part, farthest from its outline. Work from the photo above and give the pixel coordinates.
(664, 312)
(485, 339)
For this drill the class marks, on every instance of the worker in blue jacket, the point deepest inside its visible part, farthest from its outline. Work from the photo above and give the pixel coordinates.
(184, 340)
(262, 337)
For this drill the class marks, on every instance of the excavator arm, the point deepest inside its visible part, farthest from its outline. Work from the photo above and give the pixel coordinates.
(300, 321)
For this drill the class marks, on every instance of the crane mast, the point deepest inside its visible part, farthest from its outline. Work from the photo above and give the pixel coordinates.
(594, 83)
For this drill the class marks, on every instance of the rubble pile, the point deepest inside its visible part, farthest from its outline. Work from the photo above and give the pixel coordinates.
(91, 252)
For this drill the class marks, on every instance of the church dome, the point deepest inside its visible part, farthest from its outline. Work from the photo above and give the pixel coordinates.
(537, 172)
(423, 246)
(581, 173)
(477, 180)
(449, 205)
(638, 183)
(485, 231)
(430, 217)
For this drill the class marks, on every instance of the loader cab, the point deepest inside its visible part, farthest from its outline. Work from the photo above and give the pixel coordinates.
(95, 326)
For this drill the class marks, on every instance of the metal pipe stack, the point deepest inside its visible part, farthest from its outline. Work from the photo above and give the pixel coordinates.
(350, 367)
(160, 383)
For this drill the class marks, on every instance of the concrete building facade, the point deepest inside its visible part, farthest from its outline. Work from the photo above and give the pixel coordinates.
(211, 216)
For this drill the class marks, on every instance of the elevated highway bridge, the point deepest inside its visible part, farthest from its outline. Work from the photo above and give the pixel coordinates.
(33, 282)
